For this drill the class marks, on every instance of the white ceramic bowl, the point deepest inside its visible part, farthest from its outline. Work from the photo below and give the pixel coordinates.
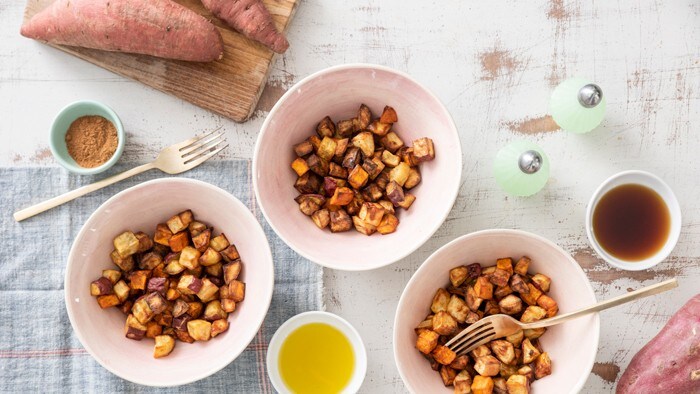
(659, 186)
(301, 319)
(572, 346)
(140, 208)
(338, 92)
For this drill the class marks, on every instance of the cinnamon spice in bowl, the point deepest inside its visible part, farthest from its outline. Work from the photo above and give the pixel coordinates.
(87, 137)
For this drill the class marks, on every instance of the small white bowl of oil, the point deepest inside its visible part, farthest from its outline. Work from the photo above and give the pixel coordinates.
(316, 352)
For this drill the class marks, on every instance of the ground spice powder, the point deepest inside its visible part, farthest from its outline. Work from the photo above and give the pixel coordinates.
(91, 140)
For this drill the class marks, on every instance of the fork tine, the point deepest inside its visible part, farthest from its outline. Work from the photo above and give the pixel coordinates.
(186, 143)
(484, 340)
(473, 337)
(198, 145)
(194, 162)
(476, 326)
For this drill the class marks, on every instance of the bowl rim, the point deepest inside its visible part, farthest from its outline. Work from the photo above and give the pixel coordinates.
(596, 317)
(121, 139)
(324, 317)
(232, 356)
(647, 179)
(399, 254)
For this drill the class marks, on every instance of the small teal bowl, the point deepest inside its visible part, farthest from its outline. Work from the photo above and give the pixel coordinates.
(68, 115)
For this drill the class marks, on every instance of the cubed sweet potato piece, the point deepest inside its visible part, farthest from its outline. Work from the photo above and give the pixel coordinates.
(153, 329)
(209, 257)
(236, 290)
(541, 281)
(503, 350)
(310, 203)
(491, 308)
(164, 345)
(326, 127)
(199, 330)
(480, 351)
(126, 244)
(308, 183)
(121, 290)
(440, 300)
(413, 179)
(139, 279)
(522, 266)
(175, 224)
(209, 290)
(364, 116)
(532, 295)
(150, 260)
(427, 341)
(460, 362)
(101, 286)
(156, 302)
(518, 384)
(352, 157)
(363, 227)
(340, 221)
(326, 150)
(399, 174)
(214, 311)
(345, 128)
(534, 333)
(499, 277)
(543, 366)
(518, 284)
(423, 149)
(530, 352)
(106, 301)
(511, 305)
(158, 284)
(337, 171)
(458, 308)
(482, 385)
(231, 271)
(391, 142)
(483, 288)
(443, 355)
(502, 291)
(371, 213)
(142, 311)
(195, 309)
(133, 329)
(228, 305)
(372, 192)
(408, 200)
(218, 326)
(365, 142)
(447, 374)
(341, 145)
(126, 264)
(342, 196)
(189, 257)
(318, 165)
(487, 366)
(389, 115)
(444, 323)
(507, 370)
(378, 128)
(533, 313)
(189, 284)
(548, 304)
(390, 159)
(463, 383)
(388, 224)
(303, 148)
(358, 177)
(315, 141)
(373, 166)
(516, 339)
(300, 166)
(472, 299)
(145, 242)
(201, 240)
(163, 234)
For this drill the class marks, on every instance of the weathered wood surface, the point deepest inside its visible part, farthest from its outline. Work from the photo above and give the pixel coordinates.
(494, 65)
(230, 86)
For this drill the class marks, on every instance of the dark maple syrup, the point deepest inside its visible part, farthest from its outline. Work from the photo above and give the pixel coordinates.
(631, 222)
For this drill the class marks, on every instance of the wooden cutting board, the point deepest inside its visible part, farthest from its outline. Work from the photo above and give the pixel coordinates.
(230, 86)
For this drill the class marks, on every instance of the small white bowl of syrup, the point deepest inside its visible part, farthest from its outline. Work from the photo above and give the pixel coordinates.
(316, 352)
(633, 220)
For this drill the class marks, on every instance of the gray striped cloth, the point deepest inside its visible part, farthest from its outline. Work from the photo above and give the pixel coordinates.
(39, 352)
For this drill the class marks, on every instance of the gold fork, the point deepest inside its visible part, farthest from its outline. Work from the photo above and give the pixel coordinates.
(174, 159)
(499, 326)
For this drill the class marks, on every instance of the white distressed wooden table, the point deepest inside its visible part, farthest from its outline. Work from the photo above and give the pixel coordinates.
(494, 64)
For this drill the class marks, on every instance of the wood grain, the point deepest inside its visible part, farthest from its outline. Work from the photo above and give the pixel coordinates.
(230, 86)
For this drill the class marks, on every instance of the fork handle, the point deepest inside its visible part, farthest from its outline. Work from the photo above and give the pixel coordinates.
(81, 191)
(631, 296)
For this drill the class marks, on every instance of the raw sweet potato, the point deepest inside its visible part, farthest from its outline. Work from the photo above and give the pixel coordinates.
(670, 362)
(251, 18)
(159, 28)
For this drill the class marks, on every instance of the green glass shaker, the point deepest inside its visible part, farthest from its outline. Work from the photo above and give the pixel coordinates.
(521, 168)
(577, 105)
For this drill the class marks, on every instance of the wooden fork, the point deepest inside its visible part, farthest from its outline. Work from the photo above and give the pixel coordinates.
(499, 326)
(174, 159)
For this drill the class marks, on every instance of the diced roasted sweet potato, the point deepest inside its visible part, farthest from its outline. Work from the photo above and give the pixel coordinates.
(518, 284)
(378, 128)
(483, 288)
(532, 295)
(126, 244)
(399, 174)
(150, 260)
(371, 213)
(388, 224)
(145, 242)
(133, 329)
(174, 267)
(447, 374)
(530, 352)
(231, 271)
(365, 142)
(199, 330)
(126, 264)
(153, 329)
(315, 141)
(164, 345)
(511, 305)
(503, 350)
(340, 221)
(391, 142)
(472, 299)
(413, 179)
(502, 291)
(175, 224)
(195, 309)
(548, 304)
(395, 194)
(230, 253)
(326, 150)
(189, 284)
(358, 177)
(236, 290)
(444, 323)
(390, 159)
(310, 203)
(472, 317)
(142, 311)
(318, 165)
(352, 157)
(389, 115)
(201, 240)
(408, 200)
(342, 196)
(341, 145)
(101, 286)
(482, 385)
(507, 370)
(505, 264)
(139, 279)
(330, 184)
(163, 234)
(443, 355)
(499, 277)
(487, 366)
(228, 305)
(463, 383)
(180, 307)
(326, 127)
(518, 384)
(480, 351)
(534, 333)
(106, 301)
(440, 301)
(337, 171)
(364, 116)
(209, 290)
(522, 266)
(543, 366)
(214, 311)
(299, 166)
(218, 326)
(406, 156)
(308, 183)
(427, 341)
(189, 257)
(423, 149)
(541, 281)
(458, 308)
(499, 386)
(345, 128)
(373, 167)
(527, 371)
(183, 336)
(158, 284)
(533, 313)
(209, 257)
(303, 148)
(491, 308)
(363, 227)
(516, 339)
(121, 290)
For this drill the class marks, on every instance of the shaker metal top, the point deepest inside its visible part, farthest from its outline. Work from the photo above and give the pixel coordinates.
(590, 95)
(530, 162)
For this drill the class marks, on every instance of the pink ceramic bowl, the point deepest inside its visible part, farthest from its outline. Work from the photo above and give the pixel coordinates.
(141, 208)
(338, 92)
(572, 346)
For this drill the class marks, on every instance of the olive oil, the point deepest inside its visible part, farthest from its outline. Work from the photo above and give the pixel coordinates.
(316, 358)
(631, 222)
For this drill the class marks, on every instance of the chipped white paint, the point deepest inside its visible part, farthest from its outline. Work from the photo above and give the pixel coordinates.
(494, 65)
